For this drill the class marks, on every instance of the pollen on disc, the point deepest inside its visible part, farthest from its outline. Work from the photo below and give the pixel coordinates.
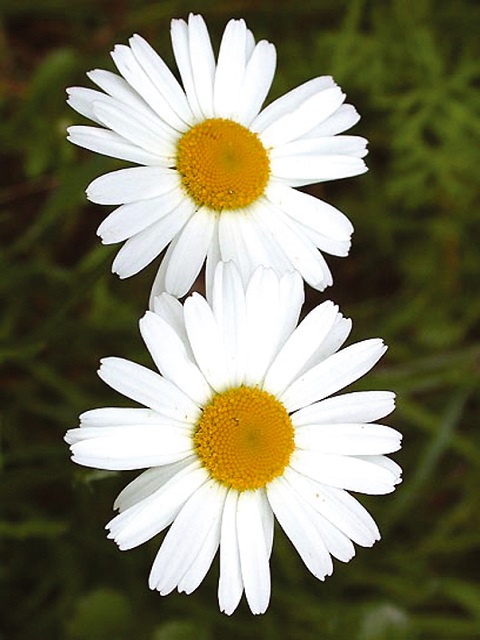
(222, 164)
(244, 438)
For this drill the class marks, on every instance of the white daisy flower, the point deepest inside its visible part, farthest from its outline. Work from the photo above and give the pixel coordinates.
(238, 428)
(217, 177)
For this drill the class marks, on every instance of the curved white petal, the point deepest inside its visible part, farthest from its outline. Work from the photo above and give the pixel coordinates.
(146, 132)
(109, 143)
(348, 439)
(130, 447)
(148, 388)
(338, 507)
(188, 252)
(202, 62)
(151, 514)
(354, 146)
(291, 101)
(172, 358)
(333, 374)
(298, 522)
(345, 472)
(129, 185)
(253, 547)
(131, 219)
(167, 97)
(297, 350)
(356, 406)
(256, 84)
(230, 68)
(171, 310)
(202, 331)
(121, 416)
(298, 248)
(229, 308)
(342, 119)
(140, 249)
(299, 170)
(148, 482)
(328, 227)
(185, 539)
(230, 585)
(303, 118)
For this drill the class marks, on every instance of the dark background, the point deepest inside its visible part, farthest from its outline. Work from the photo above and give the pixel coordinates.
(412, 70)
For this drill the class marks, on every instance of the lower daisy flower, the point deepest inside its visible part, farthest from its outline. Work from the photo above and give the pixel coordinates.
(217, 176)
(240, 427)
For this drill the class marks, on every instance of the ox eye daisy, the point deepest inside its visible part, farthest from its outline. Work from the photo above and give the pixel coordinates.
(241, 425)
(217, 175)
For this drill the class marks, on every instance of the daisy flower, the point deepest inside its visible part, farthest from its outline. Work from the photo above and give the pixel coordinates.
(217, 177)
(241, 427)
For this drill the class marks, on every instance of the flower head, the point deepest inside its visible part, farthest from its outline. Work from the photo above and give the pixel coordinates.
(240, 427)
(217, 175)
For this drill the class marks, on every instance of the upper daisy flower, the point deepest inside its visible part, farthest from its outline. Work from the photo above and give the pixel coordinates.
(238, 429)
(218, 175)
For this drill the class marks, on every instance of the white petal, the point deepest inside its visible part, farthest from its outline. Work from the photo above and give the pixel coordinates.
(147, 483)
(303, 118)
(333, 374)
(148, 388)
(121, 417)
(146, 132)
(228, 305)
(386, 463)
(338, 507)
(212, 260)
(240, 242)
(343, 118)
(230, 68)
(169, 101)
(299, 525)
(291, 101)
(136, 183)
(202, 62)
(348, 439)
(133, 218)
(328, 145)
(111, 416)
(149, 516)
(264, 321)
(358, 406)
(202, 561)
(186, 537)
(118, 88)
(131, 447)
(82, 100)
(188, 253)
(230, 585)
(171, 310)
(299, 249)
(297, 350)
(202, 331)
(109, 143)
(181, 51)
(253, 549)
(299, 170)
(311, 212)
(139, 250)
(256, 83)
(172, 359)
(344, 472)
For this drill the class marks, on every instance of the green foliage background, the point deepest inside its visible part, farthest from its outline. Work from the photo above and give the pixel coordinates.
(412, 69)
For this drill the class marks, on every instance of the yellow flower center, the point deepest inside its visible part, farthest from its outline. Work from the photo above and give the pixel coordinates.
(244, 438)
(223, 165)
